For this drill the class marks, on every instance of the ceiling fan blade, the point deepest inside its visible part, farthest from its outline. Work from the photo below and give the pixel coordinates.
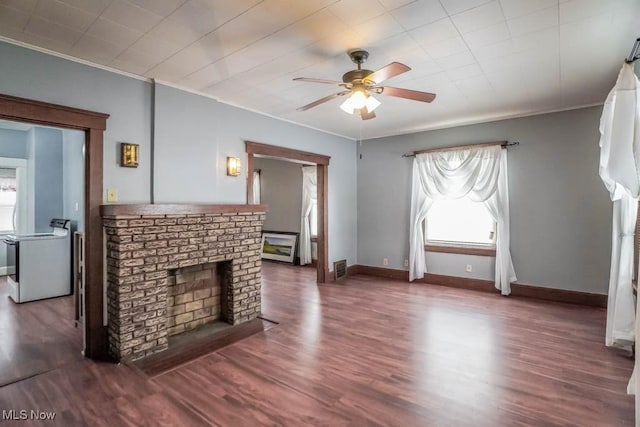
(414, 95)
(323, 100)
(386, 72)
(366, 115)
(306, 79)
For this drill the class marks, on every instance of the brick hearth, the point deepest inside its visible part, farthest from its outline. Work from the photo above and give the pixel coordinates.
(150, 246)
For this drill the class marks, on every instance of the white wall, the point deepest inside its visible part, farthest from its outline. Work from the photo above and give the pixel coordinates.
(560, 211)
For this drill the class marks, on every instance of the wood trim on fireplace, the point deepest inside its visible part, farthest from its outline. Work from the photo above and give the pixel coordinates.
(93, 124)
(322, 163)
(177, 209)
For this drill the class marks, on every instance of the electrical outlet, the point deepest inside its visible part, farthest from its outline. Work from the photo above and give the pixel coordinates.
(406, 263)
(77, 207)
(468, 268)
(385, 261)
(112, 195)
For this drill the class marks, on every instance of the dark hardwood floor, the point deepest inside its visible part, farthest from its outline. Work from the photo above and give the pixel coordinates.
(365, 352)
(36, 337)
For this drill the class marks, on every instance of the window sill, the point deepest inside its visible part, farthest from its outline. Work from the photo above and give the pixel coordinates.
(461, 249)
(314, 238)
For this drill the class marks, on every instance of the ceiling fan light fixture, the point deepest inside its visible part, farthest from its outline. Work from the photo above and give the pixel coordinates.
(347, 106)
(372, 103)
(358, 100)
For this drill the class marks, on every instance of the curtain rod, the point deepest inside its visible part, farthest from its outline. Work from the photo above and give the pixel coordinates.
(635, 52)
(503, 144)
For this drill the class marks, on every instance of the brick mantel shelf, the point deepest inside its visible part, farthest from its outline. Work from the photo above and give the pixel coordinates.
(147, 244)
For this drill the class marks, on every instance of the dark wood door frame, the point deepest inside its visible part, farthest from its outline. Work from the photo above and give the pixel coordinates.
(93, 124)
(322, 163)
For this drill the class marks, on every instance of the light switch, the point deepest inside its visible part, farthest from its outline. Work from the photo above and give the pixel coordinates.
(112, 195)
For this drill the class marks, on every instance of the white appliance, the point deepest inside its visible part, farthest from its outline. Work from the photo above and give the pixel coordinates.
(42, 263)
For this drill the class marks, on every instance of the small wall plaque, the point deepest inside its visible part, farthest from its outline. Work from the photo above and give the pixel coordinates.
(129, 155)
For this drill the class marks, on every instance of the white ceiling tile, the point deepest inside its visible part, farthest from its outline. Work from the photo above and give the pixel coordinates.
(132, 16)
(379, 28)
(456, 61)
(205, 77)
(170, 71)
(204, 15)
(354, 12)
(495, 50)
(51, 30)
(155, 48)
(448, 47)
(13, 18)
(464, 72)
(515, 8)
(536, 21)
(107, 30)
(476, 89)
(394, 4)
(174, 32)
(23, 5)
(96, 50)
(419, 13)
(136, 59)
(456, 6)
(434, 32)
(129, 67)
(487, 36)
(161, 7)
(482, 16)
(193, 57)
(95, 7)
(64, 14)
(576, 10)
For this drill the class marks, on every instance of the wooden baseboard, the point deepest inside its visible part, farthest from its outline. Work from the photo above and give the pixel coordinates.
(517, 289)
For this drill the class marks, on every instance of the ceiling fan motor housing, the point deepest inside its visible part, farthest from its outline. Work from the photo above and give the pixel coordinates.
(355, 76)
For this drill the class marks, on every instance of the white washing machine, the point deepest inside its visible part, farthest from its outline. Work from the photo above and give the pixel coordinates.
(42, 263)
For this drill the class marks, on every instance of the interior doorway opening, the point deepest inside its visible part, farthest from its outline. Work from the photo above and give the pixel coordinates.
(321, 163)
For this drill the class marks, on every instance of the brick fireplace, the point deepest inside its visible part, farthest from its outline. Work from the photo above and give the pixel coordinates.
(172, 268)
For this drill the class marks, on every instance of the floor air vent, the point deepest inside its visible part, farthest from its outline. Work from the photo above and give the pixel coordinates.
(340, 269)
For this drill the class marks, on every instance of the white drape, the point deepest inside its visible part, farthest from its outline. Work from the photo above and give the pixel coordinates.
(619, 170)
(256, 187)
(309, 196)
(480, 174)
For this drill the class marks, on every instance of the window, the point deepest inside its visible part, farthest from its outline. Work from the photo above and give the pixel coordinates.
(8, 199)
(460, 222)
(13, 195)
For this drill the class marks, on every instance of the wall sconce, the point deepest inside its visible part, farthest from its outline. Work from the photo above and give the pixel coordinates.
(233, 166)
(128, 155)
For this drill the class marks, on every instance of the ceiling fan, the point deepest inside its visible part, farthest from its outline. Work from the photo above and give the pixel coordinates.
(360, 84)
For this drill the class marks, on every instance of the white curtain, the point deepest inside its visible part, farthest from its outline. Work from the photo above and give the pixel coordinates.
(309, 196)
(619, 170)
(480, 174)
(256, 187)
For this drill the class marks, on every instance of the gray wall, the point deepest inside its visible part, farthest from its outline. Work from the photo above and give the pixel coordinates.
(30, 74)
(281, 189)
(560, 211)
(73, 178)
(46, 159)
(13, 143)
(193, 136)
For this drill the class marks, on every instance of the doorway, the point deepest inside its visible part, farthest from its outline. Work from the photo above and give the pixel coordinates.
(322, 175)
(92, 124)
